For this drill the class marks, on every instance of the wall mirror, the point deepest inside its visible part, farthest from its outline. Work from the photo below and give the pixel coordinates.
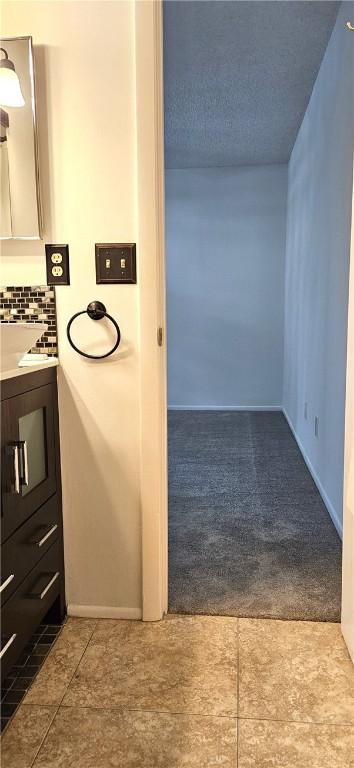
(20, 216)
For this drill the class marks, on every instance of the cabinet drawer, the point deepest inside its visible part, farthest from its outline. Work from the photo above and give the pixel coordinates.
(21, 552)
(25, 609)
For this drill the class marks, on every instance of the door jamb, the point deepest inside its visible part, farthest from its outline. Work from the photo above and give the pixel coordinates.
(347, 619)
(150, 210)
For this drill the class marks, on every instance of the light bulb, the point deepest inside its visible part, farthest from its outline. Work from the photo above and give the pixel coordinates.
(10, 89)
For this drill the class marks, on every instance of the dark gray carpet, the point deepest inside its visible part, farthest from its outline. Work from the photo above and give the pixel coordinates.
(249, 534)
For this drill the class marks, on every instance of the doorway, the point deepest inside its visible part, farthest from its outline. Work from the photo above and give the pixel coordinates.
(256, 376)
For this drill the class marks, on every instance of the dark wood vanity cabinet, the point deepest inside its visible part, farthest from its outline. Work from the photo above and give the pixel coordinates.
(32, 563)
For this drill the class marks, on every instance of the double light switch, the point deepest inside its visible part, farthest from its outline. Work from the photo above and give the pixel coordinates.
(115, 262)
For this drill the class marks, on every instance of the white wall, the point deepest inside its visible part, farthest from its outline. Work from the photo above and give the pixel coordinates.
(85, 61)
(317, 265)
(225, 249)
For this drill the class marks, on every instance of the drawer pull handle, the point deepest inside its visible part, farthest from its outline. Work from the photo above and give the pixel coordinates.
(46, 535)
(7, 645)
(7, 582)
(41, 595)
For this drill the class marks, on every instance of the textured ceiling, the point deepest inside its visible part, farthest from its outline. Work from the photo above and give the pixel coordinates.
(238, 78)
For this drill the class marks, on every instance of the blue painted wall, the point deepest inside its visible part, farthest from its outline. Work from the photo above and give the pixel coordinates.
(317, 265)
(225, 251)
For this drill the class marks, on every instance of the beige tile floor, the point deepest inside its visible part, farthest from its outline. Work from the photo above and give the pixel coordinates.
(188, 691)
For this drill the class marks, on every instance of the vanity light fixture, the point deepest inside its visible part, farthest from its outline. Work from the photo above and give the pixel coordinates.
(10, 89)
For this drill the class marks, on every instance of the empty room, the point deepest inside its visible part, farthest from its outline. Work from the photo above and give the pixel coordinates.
(258, 179)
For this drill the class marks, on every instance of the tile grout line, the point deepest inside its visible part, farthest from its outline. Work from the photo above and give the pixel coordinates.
(298, 722)
(199, 714)
(45, 734)
(79, 661)
(147, 711)
(57, 707)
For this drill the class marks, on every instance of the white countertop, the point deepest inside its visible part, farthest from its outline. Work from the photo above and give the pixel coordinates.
(52, 362)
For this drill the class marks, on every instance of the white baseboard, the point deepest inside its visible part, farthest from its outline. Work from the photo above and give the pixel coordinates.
(330, 508)
(224, 407)
(103, 612)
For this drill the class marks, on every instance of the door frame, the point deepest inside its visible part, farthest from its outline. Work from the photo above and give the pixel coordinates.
(151, 278)
(154, 469)
(348, 495)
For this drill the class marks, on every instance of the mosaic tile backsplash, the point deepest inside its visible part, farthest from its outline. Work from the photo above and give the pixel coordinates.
(32, 304)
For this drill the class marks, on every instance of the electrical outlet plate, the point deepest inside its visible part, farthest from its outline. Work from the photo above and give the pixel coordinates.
(115, 263)
(57, 258)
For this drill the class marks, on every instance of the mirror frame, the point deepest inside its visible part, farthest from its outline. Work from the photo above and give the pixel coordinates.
(35, 138)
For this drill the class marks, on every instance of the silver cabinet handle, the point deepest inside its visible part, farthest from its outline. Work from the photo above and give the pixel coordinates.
(46, 535)
(45, 590)
(24, 462)
(7, 645)
(7, 582)
(40, 595)
(16, 487)
(20, 456)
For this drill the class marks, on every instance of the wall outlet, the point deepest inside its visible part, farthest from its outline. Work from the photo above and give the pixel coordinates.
(57, 258)
(305, 411)
(57, 271)
(316, 425)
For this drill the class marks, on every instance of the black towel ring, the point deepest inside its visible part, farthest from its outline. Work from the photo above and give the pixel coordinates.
(96, 311)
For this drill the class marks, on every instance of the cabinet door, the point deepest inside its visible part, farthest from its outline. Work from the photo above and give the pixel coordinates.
(28, 452)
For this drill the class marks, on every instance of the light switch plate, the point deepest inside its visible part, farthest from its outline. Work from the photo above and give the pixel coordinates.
(115, 263)
(57, 258)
